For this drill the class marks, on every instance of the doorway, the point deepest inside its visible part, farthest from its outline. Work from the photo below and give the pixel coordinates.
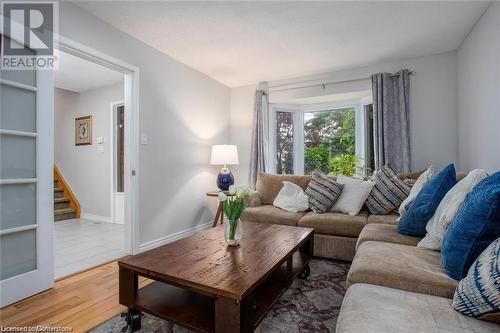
(87, 230)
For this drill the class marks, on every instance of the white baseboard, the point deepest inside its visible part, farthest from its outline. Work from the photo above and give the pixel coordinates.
(173, 237)
(97, 218)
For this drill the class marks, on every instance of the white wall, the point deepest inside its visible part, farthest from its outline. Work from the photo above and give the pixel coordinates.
(479, 94)
(433, 107)
(183, 112)
(86, 168)
(242, 99)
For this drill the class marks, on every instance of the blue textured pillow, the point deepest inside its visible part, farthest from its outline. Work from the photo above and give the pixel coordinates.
(413, 222)
(477, 295)
(475, 227)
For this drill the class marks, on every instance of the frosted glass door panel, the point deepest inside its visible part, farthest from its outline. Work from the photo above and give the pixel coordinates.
(27, 77)
(17, 205)
(18, 157)
(18, 109)
(17, 253)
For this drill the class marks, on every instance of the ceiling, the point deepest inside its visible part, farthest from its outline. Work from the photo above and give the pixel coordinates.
(239, 43)
(78, 75)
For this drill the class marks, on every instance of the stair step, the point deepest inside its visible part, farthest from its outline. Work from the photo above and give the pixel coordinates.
(64, 214)
(64, 211)
(61, 203)
(58, 192)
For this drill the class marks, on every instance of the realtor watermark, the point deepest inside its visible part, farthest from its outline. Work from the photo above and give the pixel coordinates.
(29, 32)
(39, 328)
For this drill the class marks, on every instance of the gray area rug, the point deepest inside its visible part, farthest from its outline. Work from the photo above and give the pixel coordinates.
(310, 305)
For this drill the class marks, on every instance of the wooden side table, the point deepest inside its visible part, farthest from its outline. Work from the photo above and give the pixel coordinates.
(220, 208)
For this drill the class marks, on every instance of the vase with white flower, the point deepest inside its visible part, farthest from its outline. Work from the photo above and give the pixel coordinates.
(234, 205)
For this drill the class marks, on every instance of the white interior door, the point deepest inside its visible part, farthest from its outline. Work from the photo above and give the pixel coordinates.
(26, 183)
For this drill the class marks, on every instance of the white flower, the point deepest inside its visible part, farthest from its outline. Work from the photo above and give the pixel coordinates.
(232, 189)
(243, 192)
(222, 196)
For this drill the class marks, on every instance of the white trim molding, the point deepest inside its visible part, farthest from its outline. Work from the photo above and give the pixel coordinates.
(96, 218)
(173, 237)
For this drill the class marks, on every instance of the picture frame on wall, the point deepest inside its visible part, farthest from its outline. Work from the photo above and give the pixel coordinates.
(83, 131)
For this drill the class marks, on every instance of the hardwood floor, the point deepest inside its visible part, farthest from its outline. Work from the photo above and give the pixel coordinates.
(82, 302)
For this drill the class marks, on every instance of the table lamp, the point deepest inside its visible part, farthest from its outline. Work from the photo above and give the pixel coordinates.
(224, 155)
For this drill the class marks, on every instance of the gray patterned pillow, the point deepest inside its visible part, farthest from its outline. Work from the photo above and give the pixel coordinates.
(323, 192)
(388, 193)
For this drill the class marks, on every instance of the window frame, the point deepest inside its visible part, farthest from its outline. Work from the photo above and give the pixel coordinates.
(298, 112)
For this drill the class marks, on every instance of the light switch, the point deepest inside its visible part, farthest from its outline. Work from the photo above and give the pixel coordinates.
(144, 139)
(100, 149)
(99, 140)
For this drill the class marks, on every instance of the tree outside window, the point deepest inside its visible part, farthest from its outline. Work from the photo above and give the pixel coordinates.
(330, 141)
(284, 143)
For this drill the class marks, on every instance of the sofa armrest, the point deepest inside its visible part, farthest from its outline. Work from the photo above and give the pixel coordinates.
(254, 200)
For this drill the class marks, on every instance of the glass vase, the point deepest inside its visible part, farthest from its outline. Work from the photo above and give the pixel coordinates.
(232, 232)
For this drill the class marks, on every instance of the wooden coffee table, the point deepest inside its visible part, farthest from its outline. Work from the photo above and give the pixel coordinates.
(207, 286)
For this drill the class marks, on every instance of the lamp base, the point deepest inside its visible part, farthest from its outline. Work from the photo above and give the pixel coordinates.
(225, 179)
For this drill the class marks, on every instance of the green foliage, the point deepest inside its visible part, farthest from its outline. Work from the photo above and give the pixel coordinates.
(317, 158)
(330, 140)
(233, 208)
(284, 140)
(344, 164)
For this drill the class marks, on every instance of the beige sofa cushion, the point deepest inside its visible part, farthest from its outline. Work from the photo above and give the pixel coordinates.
(386, 233)
(335, 247)
(402, 267)
(385, 219)
(332, 223)
(373, 309)
(268, 185)
(270, 214)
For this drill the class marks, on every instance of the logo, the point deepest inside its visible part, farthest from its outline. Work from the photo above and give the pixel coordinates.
(29, 30)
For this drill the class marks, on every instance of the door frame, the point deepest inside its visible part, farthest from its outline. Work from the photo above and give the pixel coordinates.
(112, 148)
(131, 102)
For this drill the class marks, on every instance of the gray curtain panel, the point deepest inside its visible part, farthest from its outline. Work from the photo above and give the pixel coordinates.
(391, 120)
(258, 150)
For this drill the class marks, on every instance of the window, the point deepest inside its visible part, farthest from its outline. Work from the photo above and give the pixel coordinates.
(329, 140)
(284, 142)
(332, 139)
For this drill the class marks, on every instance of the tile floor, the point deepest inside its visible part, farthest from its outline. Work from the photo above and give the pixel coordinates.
(80, 244)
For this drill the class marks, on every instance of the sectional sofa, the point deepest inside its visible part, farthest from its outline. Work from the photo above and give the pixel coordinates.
(393, 285)
(335, 234)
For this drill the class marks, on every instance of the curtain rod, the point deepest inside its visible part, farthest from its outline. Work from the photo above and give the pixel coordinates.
(271, 89)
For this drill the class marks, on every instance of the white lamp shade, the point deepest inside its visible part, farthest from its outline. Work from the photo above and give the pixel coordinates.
(224, 154)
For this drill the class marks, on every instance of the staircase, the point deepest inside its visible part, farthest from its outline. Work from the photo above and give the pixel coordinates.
(65, 204)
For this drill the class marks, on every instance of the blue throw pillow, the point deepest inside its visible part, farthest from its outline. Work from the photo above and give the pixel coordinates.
(413, 222)
(475, 227)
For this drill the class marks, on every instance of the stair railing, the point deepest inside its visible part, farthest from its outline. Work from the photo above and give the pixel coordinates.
(73, 201)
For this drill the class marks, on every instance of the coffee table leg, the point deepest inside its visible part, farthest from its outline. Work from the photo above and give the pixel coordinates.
(128, 286)
(232, 316)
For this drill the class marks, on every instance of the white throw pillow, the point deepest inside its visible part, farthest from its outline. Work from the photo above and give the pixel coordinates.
(448, 208)
(419, 184)
(353, 195)
(291, 198)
